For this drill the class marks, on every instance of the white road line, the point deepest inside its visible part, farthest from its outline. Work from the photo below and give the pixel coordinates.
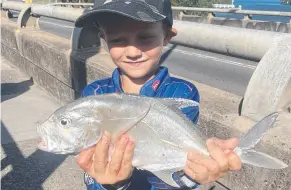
(64, 26)
(215, 59)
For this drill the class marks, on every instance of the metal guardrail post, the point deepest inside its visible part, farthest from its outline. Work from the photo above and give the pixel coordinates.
(247, 17)
(24, 17)
(6, 14)
(210, 16)
(85, 44)
(26, 20)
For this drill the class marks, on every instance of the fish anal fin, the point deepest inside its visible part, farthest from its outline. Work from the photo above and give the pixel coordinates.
(166, 176)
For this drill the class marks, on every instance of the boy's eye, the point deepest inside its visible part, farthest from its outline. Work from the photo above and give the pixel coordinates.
(146, 37)
(117, 40)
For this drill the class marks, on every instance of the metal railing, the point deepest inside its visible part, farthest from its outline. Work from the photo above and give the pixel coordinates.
(49, 10)
(75, 5)
(63, 10)
(248, 14)
(233, 11)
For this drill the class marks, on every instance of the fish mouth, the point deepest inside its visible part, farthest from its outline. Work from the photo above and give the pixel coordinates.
(42, 145)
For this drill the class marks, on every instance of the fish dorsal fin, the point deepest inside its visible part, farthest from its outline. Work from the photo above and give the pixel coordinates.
(166, 176)
(178, 103)
(118, 126)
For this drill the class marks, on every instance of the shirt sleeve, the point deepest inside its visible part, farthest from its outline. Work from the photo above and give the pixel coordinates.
(91, 184)
(192, 112)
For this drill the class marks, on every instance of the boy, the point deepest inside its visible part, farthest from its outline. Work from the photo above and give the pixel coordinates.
(135, 32)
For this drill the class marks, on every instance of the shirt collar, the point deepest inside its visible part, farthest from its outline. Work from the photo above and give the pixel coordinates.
(149, 88)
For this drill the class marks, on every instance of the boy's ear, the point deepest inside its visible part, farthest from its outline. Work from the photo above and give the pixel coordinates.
(172, 32)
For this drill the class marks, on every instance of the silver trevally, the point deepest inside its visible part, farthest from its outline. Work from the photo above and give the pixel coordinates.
(163, 134)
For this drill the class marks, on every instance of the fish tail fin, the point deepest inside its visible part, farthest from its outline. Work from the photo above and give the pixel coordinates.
(260, 159)
(248, 141)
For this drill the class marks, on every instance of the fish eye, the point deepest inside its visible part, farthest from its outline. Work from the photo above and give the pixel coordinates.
(64, 122)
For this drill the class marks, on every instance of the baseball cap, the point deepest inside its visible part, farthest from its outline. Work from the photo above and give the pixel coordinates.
(140, 10)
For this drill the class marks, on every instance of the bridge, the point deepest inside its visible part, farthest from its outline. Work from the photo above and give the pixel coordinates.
(243, 73)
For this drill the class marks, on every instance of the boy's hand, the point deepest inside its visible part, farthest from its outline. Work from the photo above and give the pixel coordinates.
(204, 169)
(95, 160)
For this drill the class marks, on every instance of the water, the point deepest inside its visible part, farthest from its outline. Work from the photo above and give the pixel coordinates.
(262, 5)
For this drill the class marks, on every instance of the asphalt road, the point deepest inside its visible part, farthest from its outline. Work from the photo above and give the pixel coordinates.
(220, 71)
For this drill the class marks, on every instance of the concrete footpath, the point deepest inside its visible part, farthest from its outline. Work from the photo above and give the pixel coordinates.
(23, 166)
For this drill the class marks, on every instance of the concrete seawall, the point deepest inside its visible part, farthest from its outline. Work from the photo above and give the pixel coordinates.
(63, 73)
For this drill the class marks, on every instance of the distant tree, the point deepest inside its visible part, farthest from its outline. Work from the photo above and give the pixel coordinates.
(197, 3)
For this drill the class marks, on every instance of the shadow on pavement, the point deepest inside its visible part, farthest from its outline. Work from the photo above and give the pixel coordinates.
(166, 54)
(12, 90)
(27, 173)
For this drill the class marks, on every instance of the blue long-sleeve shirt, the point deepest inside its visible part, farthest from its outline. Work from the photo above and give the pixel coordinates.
(164, 86)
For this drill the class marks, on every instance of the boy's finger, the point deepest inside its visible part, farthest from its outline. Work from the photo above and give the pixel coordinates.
(117, 155)
(218, 155)
(228, 144)
(126, 165)
(193, 156)
(210, 164)
(197, 171)
(234, 161)
(84, 159)
(101, 154)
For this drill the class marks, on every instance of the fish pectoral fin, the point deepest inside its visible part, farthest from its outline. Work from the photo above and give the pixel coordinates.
(119, 126)
(178, 103)
(166, 176)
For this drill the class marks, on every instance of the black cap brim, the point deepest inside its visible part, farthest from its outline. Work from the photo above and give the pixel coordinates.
(136, 10)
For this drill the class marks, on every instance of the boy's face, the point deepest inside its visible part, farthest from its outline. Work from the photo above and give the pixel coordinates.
(135, 47)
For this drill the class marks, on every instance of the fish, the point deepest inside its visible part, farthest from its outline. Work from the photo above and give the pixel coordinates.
(162, 133)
